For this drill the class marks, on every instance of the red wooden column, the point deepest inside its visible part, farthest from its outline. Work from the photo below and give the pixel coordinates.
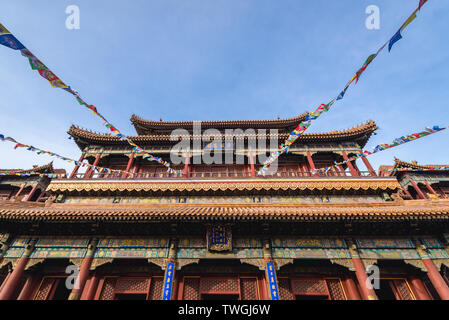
(128, 166)
(91, 288)
(16, 275)
(186, 165)
(407, 193)
(429, 187)
(349, 164)
(362, 278)
(90, 172)
(30, 195)
(432, 272)
(421, 194)
(311, 163)
(419, 289)
(351, 289)
(27, 289)
(22, 187)
(251, 161)
(75, 170)
(368, 166)
(84, 271)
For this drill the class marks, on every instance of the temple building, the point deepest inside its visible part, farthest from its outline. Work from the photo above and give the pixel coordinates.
(27, 185)
(220, 231)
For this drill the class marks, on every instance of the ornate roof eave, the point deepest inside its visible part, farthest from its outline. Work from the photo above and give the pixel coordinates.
(217, 185)
(392, 211)
(414, 165)
(143, 126)
(46, 168)
(360, 134)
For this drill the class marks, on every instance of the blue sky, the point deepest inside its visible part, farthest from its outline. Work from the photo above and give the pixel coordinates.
(224, 60)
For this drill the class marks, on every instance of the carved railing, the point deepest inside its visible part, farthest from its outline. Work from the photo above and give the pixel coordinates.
(219, 174)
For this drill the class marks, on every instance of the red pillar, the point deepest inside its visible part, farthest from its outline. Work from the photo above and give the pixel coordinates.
(407, 193)
(27, 289)
(421, 195)
(22, 187)
(92, 288)
(84, 271)
(368, 166)
(311, 164)
(432, 272)
(419, 289)
(429, 187)
(128, 166)
(362, 278)
(436, 279)
(30, 195)
(75, 170)
(349, 164)
(90, 172)
(351, 289)
(251, 161)
(186, 166)
(16, 275)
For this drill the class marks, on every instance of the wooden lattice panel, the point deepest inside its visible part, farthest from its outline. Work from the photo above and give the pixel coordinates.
(230, 285)
(156, 286)
(107, 293)
(132, 285)
(191, 289)
(285, 292)
(248, 289)
(335, 289)
(403, 289)
(44, 289)
(306, 286)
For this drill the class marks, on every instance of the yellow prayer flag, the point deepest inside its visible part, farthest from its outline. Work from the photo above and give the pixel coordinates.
(410, 19)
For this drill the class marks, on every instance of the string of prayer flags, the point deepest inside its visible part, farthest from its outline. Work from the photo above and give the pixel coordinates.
(52, 154)
(9, 40)
(384, 146)
(421, 3)
(295, 134)
(398, 36)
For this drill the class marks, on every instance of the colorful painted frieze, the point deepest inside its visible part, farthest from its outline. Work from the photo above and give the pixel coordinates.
(308, 243)
(192, 243)
(385, 243)
(247, 243)
(133, 243)
(191, 253)
(14, 252)
(72, 242)
(388, 254)
(438, 254)
(131, 253)
(58, 253)
(431, 243)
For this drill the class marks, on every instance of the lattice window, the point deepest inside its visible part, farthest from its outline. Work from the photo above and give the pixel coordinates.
(156, 286)
(285, 293)
(191, 289)
(335, 289)
(248, 288)
(107, 293)
(403, 289)
(219, 285)
(44, 289)
(307, 286)
(132, 285)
